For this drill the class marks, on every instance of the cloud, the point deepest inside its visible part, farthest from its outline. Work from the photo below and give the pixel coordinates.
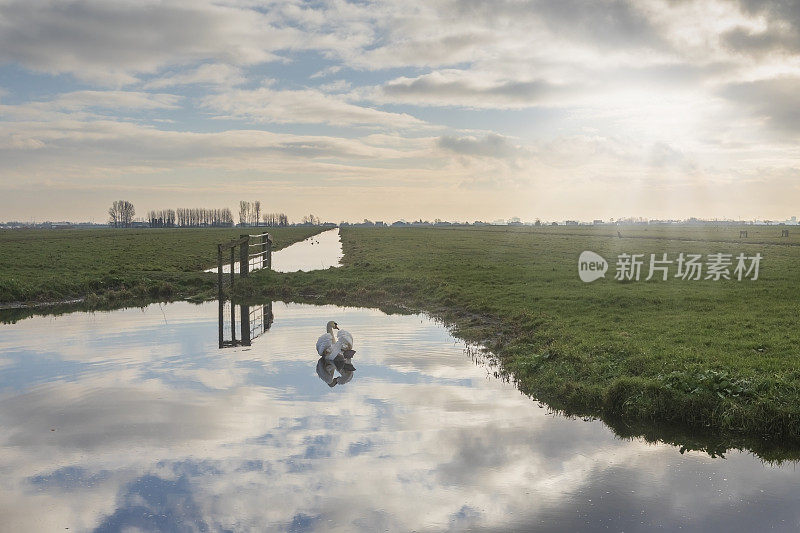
(604, 23)
(135, 445)
(492, 145)
(467, 31)
(780, 33)
(774, 101)
(338, 86)
(111, 42)
(209, 74)
(85, 104)
(114, 100)
(463, 88)
(326, 72)
(128, 143)
(304, 106)
(609, 91)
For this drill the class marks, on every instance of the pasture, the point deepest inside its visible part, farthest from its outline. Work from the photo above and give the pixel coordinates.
(116, 264)
(716, 361)
(720, 356)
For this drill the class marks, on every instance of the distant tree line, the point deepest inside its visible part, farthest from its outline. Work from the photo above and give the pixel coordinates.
(121, 213)
(162, 219)
(276, 219)
(190, 218)
(250, 215)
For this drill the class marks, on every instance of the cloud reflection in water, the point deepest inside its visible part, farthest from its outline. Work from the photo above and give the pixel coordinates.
(135, 419)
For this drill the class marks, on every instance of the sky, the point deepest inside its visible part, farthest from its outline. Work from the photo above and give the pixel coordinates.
(458, 109)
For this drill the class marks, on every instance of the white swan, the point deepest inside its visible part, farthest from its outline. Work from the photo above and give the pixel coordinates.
(330, 347)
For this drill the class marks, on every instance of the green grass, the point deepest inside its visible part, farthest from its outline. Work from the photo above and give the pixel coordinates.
(707, 365)
(714, 361)
(115, 264)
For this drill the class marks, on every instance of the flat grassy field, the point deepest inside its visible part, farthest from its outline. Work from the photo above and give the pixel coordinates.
(719, 359)
(116, 264)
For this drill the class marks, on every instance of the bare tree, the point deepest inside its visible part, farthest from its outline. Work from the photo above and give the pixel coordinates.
(275, 219)
(244, 208)
(113, 215)
(257, 211)
(194, 217)
(128, 212)
(121, 214)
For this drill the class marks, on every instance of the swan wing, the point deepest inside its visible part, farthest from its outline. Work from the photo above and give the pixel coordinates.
(346, 339)
(334, 351)
(324, 344)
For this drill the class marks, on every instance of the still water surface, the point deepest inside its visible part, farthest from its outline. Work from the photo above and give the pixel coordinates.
(318, 252)
(134, 419)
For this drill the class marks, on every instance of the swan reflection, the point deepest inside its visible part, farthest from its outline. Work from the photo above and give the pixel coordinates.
(336, 355)
(327, 369)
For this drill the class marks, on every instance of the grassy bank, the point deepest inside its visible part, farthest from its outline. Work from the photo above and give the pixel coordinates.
(115, 264)
(714, 358)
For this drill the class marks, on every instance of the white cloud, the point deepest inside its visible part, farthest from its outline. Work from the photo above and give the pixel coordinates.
(305, 106)
(80, 105)
(338, 86)
(608, 92)
(111, 42)
(469, 89)
(491, 145)
(209, 74)
(326, 72)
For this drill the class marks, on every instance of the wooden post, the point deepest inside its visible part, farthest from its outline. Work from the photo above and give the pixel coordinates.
(233, 260)
(244, 310)
(269, 251)
(244, 257)
(233, 307)
(268, 316)
(264, 240)
(220, 295)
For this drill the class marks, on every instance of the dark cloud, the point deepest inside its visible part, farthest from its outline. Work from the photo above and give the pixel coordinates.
(440, 89)
(606, 23)
(773, 100)
(109, 40)
(781, 35)
(490, 146)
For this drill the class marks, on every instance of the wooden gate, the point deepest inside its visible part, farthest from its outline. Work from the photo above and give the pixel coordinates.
(254, 253)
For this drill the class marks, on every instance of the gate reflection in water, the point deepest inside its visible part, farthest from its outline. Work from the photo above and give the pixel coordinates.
(253, 321)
